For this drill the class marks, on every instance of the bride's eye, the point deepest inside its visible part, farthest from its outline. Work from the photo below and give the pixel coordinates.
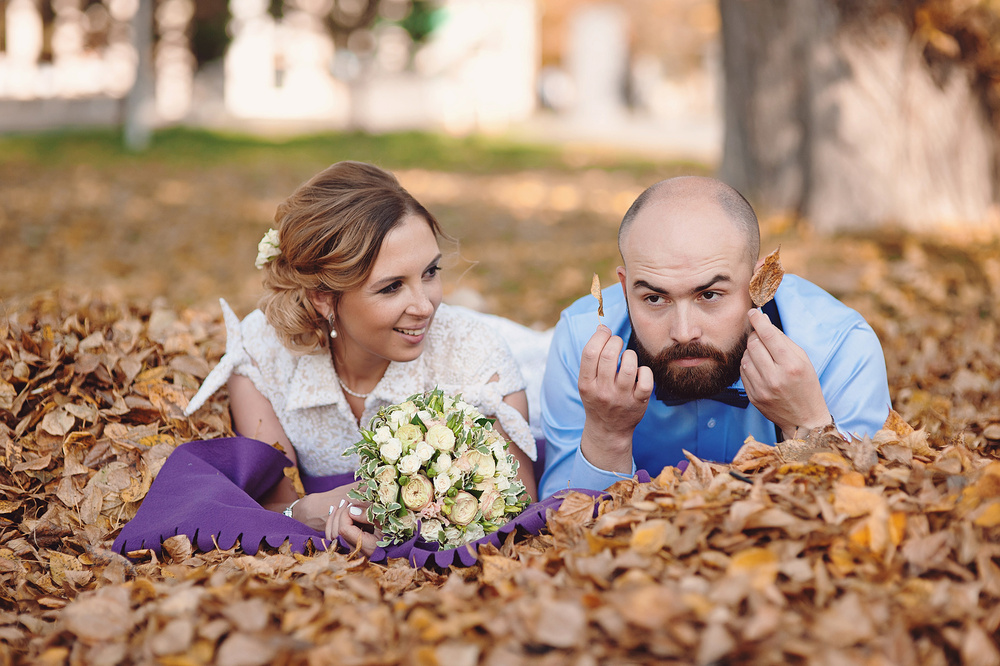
(392, 288)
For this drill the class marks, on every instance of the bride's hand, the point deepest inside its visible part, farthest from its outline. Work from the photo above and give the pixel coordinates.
(349, 521)
(314, 509)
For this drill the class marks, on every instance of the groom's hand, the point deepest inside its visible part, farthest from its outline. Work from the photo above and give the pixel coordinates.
(614, 399)
(780, 379)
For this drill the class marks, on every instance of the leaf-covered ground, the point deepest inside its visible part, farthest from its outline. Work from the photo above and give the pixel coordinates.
(881, 552)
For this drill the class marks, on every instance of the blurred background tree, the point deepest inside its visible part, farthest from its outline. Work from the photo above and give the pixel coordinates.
(852, 113)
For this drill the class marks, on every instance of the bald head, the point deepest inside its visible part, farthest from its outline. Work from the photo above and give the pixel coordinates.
(684, 191)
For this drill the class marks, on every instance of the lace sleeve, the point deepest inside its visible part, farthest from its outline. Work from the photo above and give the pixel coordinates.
(489, 399)
(236, 357)
(485, 354)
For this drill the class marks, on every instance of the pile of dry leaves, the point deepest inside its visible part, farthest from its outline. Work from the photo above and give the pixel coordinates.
(883, 551)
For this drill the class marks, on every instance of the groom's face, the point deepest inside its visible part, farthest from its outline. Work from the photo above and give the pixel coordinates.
(686, 280)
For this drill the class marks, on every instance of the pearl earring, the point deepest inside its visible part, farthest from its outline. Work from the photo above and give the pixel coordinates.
(333, 331)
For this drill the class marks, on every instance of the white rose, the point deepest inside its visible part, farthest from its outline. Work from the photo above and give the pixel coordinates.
(397, 418)
(430, 529)
(408, 464)
(409, 520)
(442, 482)
(386, 474)
(391, 450)
(452, 535)
(442, 464)
(501, 482)
(382, 435)
(464, 510)
(408, 434)
(482, 463)
(268, 248)
(492, 504)
(418, 493)
(387, 493)
(440, 437)
(473, 532)
(424, 451)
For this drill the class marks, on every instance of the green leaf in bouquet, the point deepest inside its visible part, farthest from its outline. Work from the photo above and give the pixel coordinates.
(404, 480)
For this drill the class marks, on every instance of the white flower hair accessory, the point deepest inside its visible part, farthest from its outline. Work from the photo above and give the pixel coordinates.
(267, 248)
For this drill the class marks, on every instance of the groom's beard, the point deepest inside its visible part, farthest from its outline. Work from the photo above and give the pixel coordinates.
(719, 371)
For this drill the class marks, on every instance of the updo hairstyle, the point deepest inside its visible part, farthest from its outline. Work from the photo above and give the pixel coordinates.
(330, 232)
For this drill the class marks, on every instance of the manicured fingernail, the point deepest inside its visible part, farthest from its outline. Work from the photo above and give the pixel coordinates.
(331, 511)
(342, 502)
(355, 510)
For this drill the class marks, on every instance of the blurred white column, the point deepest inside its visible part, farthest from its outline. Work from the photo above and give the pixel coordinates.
(120, 59)
(597, 61)
(174, 62)
(24, 46)
(484, 60)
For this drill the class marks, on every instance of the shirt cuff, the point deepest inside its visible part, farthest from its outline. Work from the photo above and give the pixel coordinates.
(586, 475)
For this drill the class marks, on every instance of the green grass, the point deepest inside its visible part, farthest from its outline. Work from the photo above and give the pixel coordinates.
(189, 147)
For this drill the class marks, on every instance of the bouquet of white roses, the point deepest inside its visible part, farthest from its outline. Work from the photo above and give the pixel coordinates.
(438, 460)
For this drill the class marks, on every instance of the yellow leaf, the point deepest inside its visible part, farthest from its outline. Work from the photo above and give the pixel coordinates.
(650, 537)
(990, 517)
(855, 501)
(759, 563)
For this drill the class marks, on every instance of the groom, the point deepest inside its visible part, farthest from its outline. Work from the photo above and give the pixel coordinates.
(681, 361)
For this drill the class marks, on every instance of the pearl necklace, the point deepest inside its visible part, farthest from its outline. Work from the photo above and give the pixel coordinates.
(354, 393)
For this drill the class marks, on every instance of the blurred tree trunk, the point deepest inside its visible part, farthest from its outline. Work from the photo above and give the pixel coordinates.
(842, 118)
(139, 103)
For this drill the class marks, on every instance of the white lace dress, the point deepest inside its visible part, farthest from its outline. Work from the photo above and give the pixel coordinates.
(462, 352)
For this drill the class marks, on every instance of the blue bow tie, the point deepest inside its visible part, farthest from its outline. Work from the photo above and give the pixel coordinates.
(729, 396)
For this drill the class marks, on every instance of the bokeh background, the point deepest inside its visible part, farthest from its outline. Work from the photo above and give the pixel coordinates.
(144, 144)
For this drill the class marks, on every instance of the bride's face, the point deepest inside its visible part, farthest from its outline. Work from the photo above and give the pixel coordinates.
(389, 316)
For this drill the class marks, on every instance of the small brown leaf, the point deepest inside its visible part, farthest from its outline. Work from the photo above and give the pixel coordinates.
(58, 422)
(765, 280)
(595, 291)
(178, 547)
(101, 616)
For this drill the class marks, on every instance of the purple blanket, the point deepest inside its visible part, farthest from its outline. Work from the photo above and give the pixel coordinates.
(210, 490)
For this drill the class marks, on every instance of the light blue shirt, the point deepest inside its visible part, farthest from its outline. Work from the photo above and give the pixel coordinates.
(843, 349)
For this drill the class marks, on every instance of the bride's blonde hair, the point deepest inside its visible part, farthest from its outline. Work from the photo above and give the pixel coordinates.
(330, 232)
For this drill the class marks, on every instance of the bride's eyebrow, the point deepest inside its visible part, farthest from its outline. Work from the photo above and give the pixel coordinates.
(386, 281)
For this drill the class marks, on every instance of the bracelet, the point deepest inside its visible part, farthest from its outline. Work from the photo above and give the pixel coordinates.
(288, 509)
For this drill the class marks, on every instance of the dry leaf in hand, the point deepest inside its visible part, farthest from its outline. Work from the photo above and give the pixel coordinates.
(595, 291)
(766, 279)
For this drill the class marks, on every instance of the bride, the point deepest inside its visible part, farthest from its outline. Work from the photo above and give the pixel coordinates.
(352, 320)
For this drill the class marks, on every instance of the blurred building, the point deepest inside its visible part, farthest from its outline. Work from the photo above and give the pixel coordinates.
(580, 67)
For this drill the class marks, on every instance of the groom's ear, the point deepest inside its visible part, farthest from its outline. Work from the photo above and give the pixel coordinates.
(621, 277)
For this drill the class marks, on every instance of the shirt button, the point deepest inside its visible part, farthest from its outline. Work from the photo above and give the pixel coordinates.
(711, 423)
